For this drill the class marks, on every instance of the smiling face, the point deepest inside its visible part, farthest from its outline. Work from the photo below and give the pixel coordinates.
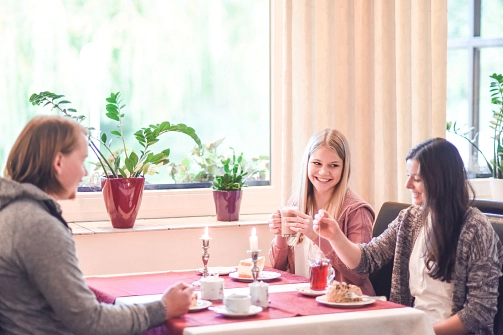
(415, 182)
(324, 169)
(70, 169)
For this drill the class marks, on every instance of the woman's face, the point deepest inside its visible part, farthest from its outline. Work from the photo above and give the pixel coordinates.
(324, 169)
(70, 169)
(415, 182)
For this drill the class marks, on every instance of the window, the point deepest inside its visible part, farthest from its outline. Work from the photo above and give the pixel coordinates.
(475, 51)
(208, 64)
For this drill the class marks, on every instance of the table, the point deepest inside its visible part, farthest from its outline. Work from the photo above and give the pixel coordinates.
(304, 316)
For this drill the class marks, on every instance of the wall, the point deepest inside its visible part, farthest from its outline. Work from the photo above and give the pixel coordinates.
(166, 249)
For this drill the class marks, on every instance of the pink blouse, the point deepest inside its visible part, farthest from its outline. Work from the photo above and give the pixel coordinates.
(356, 221)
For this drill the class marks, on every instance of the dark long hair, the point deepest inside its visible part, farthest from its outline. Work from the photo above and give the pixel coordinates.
(447, 199)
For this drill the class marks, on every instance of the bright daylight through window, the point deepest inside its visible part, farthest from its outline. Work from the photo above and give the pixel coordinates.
(475, 52)
(202, 63)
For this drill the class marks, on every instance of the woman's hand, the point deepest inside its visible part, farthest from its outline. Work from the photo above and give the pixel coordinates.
(324, 225)
(302, 223)
(328, 228)
(275, 223)
(177, 300)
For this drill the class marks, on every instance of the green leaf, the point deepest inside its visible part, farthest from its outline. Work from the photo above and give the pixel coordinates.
(113, 116)
(129, 165)
(116, 133)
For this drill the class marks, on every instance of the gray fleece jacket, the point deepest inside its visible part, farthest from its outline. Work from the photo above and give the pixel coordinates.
(42, 290)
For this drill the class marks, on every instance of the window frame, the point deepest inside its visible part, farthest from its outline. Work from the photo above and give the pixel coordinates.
(89, 206)
(473, 44)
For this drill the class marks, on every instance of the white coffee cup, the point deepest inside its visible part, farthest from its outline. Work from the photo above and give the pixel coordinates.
(212, 288)
(238, 303)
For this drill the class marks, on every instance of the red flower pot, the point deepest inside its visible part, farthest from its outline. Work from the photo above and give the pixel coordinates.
(227, 204)
(123, 199)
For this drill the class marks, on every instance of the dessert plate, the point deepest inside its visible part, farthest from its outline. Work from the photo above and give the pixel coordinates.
(305, 290)
(263, 275)
(365, 301)
(223, 310)
(221, 270)
(200, 305)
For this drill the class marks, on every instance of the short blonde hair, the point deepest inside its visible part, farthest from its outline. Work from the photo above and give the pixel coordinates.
(32, 156)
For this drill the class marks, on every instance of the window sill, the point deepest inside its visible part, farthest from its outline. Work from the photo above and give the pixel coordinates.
(101, 227)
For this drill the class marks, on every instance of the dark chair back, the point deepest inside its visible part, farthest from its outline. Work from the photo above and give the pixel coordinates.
(381, 279)
(488, 206)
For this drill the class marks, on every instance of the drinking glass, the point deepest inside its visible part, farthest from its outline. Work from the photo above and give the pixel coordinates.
(319, 273)
(286, 211)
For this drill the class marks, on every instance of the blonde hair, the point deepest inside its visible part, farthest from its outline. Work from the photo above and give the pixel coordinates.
(304, 195)
(32, 155)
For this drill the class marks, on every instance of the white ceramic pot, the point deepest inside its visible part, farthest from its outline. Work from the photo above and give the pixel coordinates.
(496, 189)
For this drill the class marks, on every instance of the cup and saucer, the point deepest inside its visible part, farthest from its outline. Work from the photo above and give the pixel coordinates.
(237, 306)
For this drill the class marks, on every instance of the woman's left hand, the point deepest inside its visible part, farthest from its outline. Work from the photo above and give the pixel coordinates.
(303, 223)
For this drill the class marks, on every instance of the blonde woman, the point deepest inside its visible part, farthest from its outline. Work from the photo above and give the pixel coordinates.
(323, 184)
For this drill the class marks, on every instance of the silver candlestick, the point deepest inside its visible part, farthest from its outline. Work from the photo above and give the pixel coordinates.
(205, 257)
(255, 269)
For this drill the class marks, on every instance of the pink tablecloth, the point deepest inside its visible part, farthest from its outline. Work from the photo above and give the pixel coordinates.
(107, 289)
(283, 305)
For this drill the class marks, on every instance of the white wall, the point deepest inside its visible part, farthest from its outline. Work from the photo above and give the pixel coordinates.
(161, 250)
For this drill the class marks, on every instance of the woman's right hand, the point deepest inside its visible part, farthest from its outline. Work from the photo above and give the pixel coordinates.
(324, 225)
(177, 300)
(275, 223)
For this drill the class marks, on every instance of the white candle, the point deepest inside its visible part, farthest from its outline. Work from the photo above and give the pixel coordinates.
(254, 240)
(205, 235)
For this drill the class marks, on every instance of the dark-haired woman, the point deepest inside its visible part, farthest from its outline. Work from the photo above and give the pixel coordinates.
(447, 257)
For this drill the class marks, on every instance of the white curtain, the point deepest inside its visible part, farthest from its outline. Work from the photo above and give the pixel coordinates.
(373, 69)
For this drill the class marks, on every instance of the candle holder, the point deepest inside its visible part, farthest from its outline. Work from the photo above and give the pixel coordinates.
(205, 257)
(255, 269)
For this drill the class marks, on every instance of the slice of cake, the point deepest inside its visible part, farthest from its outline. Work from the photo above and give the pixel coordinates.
(193, 301)
(245, 266)
(342, 292)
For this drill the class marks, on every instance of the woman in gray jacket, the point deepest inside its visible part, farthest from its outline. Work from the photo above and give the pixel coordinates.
(42, 290)
(447, 257)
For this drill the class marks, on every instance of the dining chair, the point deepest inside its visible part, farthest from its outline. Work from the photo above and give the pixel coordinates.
(381, 279)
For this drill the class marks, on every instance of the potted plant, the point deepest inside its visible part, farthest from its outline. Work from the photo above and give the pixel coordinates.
(123, 168)
(205, 163)
(227, 187)
(495, 163)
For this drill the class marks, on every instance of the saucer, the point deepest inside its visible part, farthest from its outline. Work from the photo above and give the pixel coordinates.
(305, 290)
(200, 305)
(263, 275)
(221, 270)
(223, 311)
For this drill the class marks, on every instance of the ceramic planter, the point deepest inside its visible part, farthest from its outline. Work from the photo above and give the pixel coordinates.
(123, 199)
(227, 204)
